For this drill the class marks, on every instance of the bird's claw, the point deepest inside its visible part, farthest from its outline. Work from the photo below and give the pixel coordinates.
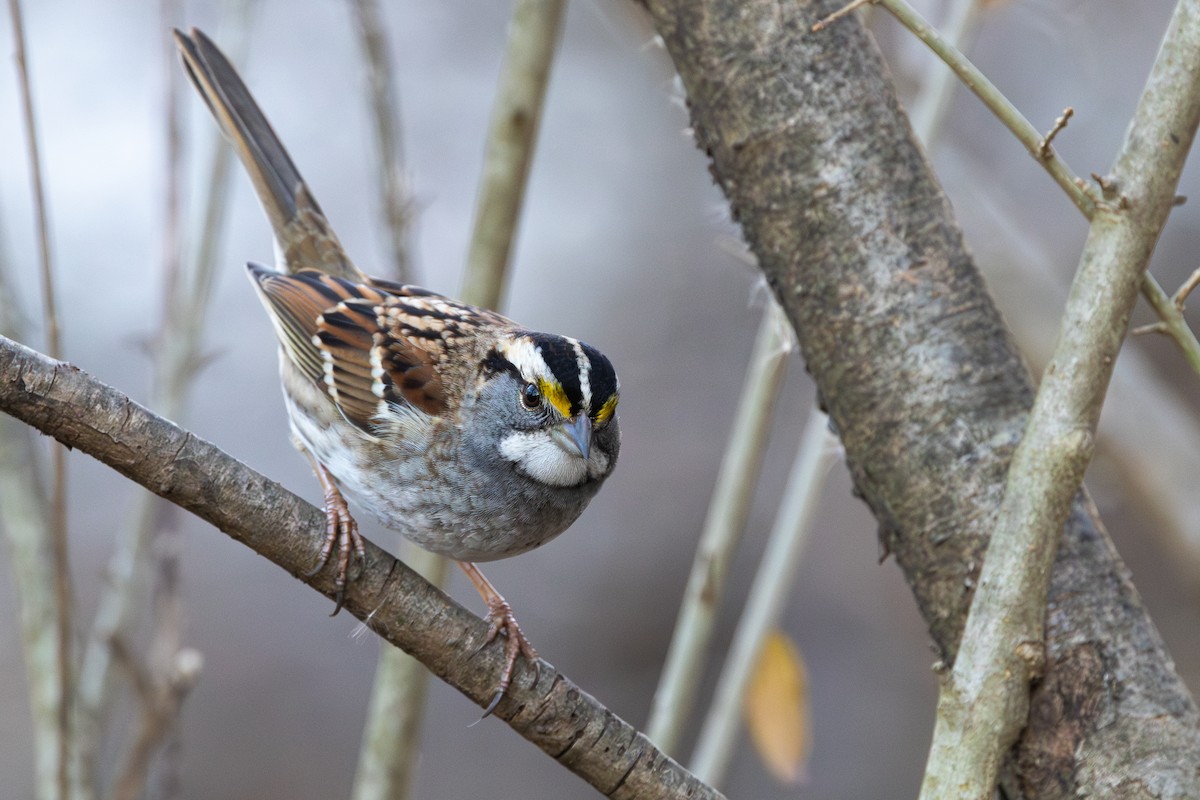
(501, 620)
(341, 532)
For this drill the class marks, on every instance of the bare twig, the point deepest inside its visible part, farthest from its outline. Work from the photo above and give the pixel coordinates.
(160, 698)
(984, 702)
(1153, 327)
(553, 713)
(915, 367)
(1181, 294)
(929, 107)
(516, 117)
(995, 100)
(388, 756)
(166, 606)
(387, 759)
(58, 456)
(776, 571)
(178, 356)
(1173, 321)
(1076, 189)
(26, 527)
(1059, 124)
(396, 196)
(730, 502)
(33, 152)
(849, 8)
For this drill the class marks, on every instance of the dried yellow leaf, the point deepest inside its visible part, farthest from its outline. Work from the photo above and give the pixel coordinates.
(777, 710)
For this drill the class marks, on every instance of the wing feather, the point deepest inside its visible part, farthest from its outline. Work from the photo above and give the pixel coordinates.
(366, 345)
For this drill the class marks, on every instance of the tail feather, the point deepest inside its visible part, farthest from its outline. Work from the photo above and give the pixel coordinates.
(304, 236)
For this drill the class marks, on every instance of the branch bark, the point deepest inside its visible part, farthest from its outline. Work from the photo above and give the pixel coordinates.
(390, 599)
(918, 373)
(984, 702)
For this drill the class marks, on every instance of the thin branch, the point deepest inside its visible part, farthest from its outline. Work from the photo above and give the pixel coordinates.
(994, 99)
(1181, 294)
(984, 703)
(1153, 327)
(928, 109)
(1172, 320)
(26, 528)
(849, 8)
(33, 153)
(394, 186)
(160, 698)
(1044, 150)
(564, 721)
(770, 588)
(1144, 424)
(166, 603)
(388, 757)
(516, 117)
(730, 502)
(1076, 189)
(58, 456)
(178, 356)
(914, 365)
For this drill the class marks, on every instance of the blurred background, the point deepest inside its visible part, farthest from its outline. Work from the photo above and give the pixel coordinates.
(623, 242)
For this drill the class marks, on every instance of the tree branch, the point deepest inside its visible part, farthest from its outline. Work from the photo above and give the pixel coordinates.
(59, 552)
(724, 524)
(918, 374)
(1172, 323)
(984, 703)
(512, 134)
(395, 188)
(396, 603)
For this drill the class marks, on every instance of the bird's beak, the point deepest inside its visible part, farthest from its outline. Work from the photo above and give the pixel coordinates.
(575, 436)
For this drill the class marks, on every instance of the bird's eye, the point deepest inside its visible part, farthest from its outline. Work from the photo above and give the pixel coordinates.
(531, 397)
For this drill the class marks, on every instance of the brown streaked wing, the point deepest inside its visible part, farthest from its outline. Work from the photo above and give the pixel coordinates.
(346, 336)
(370, 344)
(411, 374)
(327, 327)
(421, 330)
(294, 304)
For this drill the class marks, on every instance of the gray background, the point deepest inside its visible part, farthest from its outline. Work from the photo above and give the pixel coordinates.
(624, 242)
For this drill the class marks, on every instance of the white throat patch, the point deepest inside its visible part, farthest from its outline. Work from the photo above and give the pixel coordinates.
(537, 455)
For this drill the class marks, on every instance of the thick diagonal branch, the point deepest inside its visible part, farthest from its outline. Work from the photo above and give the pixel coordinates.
(389, 598)
(918, 373)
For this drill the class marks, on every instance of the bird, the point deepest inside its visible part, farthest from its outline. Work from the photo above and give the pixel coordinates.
(473, 436)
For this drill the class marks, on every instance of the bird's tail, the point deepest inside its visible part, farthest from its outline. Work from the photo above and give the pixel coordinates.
(303, 234)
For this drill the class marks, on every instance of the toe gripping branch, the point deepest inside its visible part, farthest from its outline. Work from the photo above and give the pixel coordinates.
(341, 531)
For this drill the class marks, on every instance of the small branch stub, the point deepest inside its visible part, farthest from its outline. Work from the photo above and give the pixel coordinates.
(1154, 327)
(1044, 151)
(1034, 656)
(1107, 184)
(841, 12)
(1181, 295)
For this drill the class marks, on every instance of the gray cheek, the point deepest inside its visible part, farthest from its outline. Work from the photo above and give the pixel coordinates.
(482, 449)
(609, 438)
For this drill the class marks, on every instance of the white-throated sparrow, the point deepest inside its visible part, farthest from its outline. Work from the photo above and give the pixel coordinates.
(474, 437)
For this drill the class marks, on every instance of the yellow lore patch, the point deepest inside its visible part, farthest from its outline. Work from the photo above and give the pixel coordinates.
(554, 393)
(606, 411)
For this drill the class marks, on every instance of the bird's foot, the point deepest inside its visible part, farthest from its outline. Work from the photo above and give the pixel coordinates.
(501, 620)
(341, 532)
